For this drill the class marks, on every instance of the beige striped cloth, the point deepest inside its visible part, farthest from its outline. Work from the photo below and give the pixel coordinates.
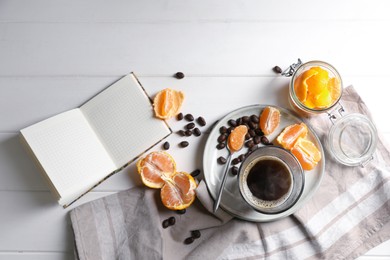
(349, 214)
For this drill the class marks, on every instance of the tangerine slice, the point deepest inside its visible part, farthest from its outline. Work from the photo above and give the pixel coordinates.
(178, 191)
(154, 167)
(307, 153)
(334, 88)
(167, 103)
(269, 120)
(291, 134)
(237, 138)
(300, 85)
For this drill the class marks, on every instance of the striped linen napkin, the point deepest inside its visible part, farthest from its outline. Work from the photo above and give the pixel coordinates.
(349, 214)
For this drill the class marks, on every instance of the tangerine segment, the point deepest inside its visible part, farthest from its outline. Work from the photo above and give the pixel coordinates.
(237, 138)
(167, 103)
(307, 153)
(178, 191)
(288, 137)
(334, 88)
(269, 120)
(155, 167)
(300, 84)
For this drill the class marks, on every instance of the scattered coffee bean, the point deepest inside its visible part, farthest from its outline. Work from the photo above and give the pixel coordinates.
(179, 75)
(239, 121)
(230, 129)
(195, 234)
(180, 116)
(257, 139)
(189, 117)
(223, 130)
(172, 221)
(184, 144)
(247, 136)
(220, 146)
(197, 132)
(259, 132)
(181, 211)
(246, 119)
(188, 133)
(264, 140)
(201, 121)
(254, 119)
(166, 145)
(277, 69)
(249, 144)
(252, 125)
(236, 161)
(221, 160)
(232, 122)
(189, 240)
(190, 126)
(181, 132)
(222, 138)
(251, 132)
(195, 173)
(165, 223)
(234, 170)
(242, 157)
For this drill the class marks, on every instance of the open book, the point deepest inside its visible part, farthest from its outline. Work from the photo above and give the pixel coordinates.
(80, 148)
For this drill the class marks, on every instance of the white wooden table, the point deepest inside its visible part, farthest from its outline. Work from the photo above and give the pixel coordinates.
(55, 55)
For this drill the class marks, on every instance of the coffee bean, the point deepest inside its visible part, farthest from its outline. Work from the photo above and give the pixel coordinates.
(247, 136)
(257, 139)
(197, 132)
(249, 144)
(242, 157)
(179, 75)
(180, 116)
(259, 132)
(252, 125)
(254, 119)
(172, 221)
(223, 129)
(166, 146)
(165, 223)
(201, 121)
(184, 144)
(232, 122)
(195, 173)
(277, 69)
(230, 129)
(181, 211)
(189, 117)
(222, 138)
(251, 132)
(195, 234)
(246, 119)
(221, 146)
(190, 126)
(188, 133)
(239, 121)
(235, 161)
(264, 140)
(189, 240)
(181, 132)
(221, 160)
(234, 170)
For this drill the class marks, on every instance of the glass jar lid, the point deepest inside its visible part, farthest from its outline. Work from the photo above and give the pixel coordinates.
(352, 139)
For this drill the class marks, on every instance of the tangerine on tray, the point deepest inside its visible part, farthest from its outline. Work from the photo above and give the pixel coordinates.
(291, 134)
(307, 153)
(269, 120)
(236, 138)
(167, 103)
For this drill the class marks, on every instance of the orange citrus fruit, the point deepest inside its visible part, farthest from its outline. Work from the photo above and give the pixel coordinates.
(291, 134)
(307, 153)
(154, 166)
(178, 191)
(334, 88)
(236, 138)
(300, 84)
(167, 103)
(269, 120)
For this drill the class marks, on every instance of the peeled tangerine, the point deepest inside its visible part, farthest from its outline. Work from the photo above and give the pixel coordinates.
(167, 103)
(158, 170)
(269, 120)
(307, 153)
(315, 89)
(291, 134)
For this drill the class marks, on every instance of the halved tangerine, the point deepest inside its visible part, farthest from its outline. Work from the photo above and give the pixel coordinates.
(178, 191)
(307, 153)
(236, 138)
(290, 135)
(167, 103)
(269, 120)
(154, 167)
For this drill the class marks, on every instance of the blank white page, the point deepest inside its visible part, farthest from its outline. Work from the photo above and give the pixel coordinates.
(69, 152)
(122, 117)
